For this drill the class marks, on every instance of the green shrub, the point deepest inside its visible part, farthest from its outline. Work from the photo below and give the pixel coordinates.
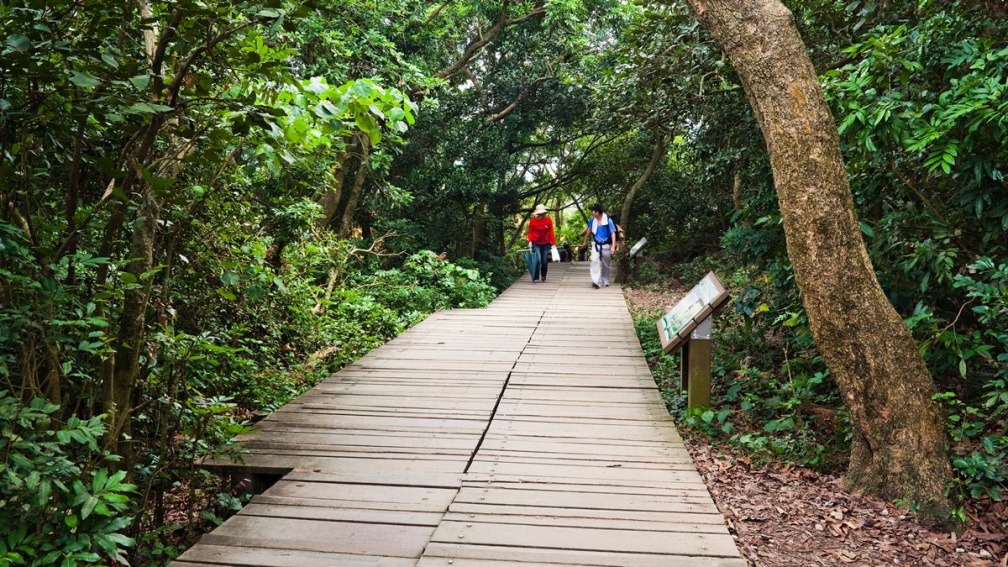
(56, 510)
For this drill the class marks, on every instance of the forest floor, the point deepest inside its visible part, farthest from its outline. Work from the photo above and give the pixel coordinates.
(785, 516)
(788, 516)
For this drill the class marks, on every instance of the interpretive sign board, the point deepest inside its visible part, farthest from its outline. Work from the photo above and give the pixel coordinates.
(637, 247)
(701, 302)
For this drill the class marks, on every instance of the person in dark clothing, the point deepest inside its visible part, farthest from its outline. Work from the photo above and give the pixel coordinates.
(566, 254)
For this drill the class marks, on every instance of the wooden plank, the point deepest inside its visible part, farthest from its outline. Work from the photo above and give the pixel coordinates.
(493, 445)
(585, 519)
(346, 441)
(383, 478)
(204, 554)
(534, 408)
(585, 539)
(421, 498)
(525, 379)
(462, 555)
(254, 450)
(386, 540)
(713, 522)
(630, 431)
(570, 474)
(359, 514)
(504, 462)
(321, 420)
(349, 506)
(563, 497)
(582, 397)
(282, 464)
(561, 453)
(481, 482)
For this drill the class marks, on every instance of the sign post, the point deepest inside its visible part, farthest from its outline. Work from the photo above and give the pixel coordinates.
(688, 326)
(637, 257)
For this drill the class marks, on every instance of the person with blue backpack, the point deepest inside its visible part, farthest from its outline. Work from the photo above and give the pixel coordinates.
(602, 230)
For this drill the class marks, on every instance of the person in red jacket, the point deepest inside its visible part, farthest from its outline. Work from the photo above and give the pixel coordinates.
(541, 239)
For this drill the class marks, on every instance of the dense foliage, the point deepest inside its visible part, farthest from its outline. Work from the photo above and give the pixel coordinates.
(204, 209)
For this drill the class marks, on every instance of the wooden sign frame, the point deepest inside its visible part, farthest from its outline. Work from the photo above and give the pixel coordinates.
(637, 247)
(675, 327)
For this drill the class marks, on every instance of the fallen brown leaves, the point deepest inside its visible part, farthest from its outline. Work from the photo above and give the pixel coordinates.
(785, 516)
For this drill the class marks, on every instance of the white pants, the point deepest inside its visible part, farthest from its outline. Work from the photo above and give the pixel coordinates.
(601, 260)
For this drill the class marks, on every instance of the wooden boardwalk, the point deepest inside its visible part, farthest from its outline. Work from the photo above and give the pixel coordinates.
(526, 433)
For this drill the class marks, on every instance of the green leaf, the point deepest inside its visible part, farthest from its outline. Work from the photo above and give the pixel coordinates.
(362, 89)
(121, 539)
(88, 506)
(111, 61)
(99, 480)
(146, 108)
(85, 80)
(226, 294)
(19, 42)
(140, 82)
(31, 483)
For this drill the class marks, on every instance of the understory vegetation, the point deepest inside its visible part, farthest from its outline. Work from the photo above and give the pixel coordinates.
(772, 397)
(206, 208)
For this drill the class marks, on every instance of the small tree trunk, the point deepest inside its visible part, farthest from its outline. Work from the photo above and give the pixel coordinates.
(898, 450)
(478, 229)
(363, 169)
(656, 155)
(132, 324)
(331, 195)
(737, 197)
(623, 259)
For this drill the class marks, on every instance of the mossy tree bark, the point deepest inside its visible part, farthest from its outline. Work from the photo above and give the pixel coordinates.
(898, 449)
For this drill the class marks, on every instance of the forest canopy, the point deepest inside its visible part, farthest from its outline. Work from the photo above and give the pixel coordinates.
(207, 208)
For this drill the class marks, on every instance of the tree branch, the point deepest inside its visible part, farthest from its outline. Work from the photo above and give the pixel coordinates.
(435, 13)
(482, 40)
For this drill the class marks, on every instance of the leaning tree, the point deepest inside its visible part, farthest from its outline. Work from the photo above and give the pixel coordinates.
(898, 446)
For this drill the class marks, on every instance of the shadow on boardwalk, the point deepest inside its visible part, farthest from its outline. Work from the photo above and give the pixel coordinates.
(526, 433)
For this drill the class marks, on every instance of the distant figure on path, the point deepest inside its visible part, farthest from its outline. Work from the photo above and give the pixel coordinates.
(541, 238)
(566, 254)
(602, 230)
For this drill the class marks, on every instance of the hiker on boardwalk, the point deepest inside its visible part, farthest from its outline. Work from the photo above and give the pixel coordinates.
(602, 231)
(541, 239)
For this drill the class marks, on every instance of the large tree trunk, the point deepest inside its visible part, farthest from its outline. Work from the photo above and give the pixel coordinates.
(898, 448)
